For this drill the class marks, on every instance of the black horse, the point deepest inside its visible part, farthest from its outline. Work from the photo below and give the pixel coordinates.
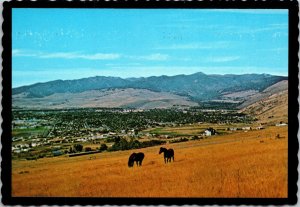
(136, 157)
(168, 154)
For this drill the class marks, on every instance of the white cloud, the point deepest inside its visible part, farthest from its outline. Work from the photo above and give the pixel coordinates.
(151, 57)
(97, 56)
(78, 55)
(122, 64)
(23, 53)
(65, 55)
(222, 59)
(195, 46)
(233, 30)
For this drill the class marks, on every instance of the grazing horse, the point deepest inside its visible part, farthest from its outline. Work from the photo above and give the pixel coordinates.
(136, 157)
(168, 154)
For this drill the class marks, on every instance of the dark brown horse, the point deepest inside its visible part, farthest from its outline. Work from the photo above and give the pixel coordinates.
(136, 157)
(168, 154)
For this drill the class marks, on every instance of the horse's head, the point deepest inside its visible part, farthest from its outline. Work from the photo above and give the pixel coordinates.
(131, 160)
(130, 163)
(162, 150)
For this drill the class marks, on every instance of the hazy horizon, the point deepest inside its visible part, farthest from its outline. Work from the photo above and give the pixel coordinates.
(51, 44)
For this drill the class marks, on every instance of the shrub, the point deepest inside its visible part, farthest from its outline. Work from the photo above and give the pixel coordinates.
(31, 158)
(78, 147)
(134, 144)
(113, 139)
(180, 140)
(120, 145)
(152, 143)
(123, 144)
(196, 138)
(88, 149)
(103, 147)
(71, 150)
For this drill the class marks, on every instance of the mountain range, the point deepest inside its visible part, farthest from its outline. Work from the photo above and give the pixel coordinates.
(144, 92)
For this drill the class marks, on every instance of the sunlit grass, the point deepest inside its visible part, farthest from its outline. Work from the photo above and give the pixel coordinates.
(242, 164)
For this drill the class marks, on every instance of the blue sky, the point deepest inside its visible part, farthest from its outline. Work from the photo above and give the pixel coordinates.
(51, 44)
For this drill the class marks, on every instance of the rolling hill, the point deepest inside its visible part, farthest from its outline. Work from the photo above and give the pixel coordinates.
(269, 106)
(107, 98)
(145, 92)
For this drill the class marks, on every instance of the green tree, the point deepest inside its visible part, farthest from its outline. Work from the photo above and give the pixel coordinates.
(103, 147)
(78, 147)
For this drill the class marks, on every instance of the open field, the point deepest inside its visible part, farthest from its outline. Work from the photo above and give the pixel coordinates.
(195, 129)
(241, 164)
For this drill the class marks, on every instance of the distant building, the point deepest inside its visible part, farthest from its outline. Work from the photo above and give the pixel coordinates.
(281, 124)
(259, 127)
(210, 131)
(207, 133)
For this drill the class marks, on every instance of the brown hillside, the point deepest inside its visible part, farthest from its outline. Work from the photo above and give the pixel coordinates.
(108, 98)
(270, 106)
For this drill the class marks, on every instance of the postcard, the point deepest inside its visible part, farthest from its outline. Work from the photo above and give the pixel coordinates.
(143, 103)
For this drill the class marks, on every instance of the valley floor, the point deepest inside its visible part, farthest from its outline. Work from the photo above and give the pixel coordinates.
(241, 164)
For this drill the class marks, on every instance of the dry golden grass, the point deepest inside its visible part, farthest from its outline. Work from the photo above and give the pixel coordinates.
(272, 109)
(243, 164)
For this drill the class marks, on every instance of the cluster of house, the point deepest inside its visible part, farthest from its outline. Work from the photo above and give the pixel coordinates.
(32, 142)
(18, 148)
(247, 128)
(25, 124)
(96, 137)
(238, 128)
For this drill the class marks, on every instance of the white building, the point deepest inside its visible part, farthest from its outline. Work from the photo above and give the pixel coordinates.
(207, 132)
(281, 124)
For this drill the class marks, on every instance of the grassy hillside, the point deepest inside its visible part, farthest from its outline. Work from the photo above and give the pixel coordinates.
(271, 106)
(241, 164)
